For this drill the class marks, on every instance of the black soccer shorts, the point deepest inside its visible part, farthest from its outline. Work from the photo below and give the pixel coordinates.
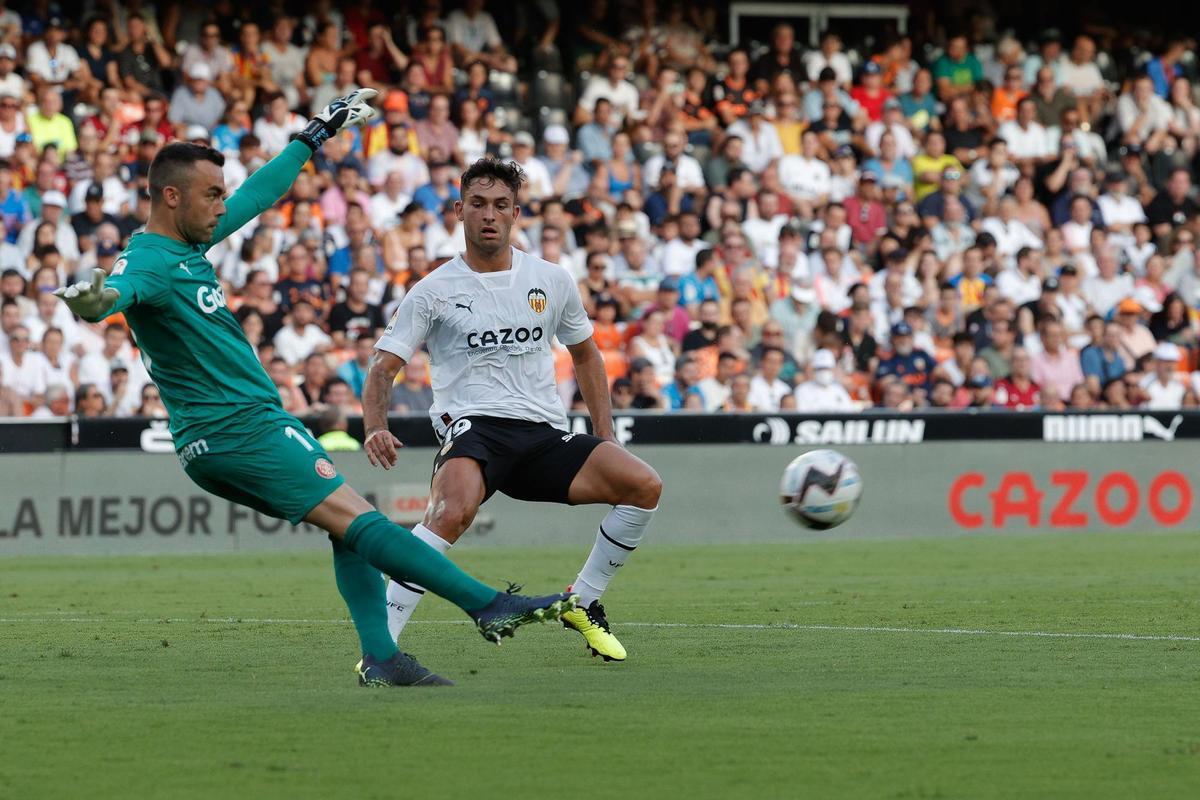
(525, 460)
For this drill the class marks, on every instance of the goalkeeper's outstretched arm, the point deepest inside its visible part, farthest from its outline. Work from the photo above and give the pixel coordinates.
(273, 180)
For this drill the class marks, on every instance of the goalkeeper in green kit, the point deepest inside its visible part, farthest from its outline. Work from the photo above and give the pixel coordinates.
(231, 434)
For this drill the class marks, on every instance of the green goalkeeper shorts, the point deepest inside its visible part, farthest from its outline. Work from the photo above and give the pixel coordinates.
(271, 465)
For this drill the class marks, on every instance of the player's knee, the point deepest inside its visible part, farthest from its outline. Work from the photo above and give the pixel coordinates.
(646, 489)
(450, 520)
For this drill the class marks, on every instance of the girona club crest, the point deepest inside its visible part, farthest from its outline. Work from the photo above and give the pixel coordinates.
(537, 300)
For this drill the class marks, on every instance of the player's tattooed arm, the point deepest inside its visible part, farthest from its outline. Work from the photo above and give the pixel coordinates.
(593, 385)
(378, 441)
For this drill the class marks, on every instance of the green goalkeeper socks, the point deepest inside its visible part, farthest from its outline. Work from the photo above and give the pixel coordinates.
(364, 590)
(394, 551)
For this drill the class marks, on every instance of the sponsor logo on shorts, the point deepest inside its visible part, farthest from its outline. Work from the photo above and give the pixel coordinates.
(325, 468)
(446, 447)
(537, 300)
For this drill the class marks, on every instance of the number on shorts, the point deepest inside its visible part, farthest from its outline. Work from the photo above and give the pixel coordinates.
(292, 433)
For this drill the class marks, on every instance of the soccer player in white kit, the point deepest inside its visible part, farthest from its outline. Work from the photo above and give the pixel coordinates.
(488, 317)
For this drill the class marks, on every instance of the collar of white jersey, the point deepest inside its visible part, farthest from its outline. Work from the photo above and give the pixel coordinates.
(515, 263)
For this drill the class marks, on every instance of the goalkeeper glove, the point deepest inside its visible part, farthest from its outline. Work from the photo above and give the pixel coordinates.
(353, 109)
(89, 299)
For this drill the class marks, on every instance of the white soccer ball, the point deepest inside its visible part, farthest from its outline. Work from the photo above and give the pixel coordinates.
(821, 489)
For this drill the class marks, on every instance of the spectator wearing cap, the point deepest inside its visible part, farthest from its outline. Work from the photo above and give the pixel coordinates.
(1173, 207)
(1102, 361)
(197, 102)
(1163, 389)
(822, 393)
(1056, 368)
(52, 62)
(54, 205)
(568, 178)
(11, 83)
(871, 94)
(48, 125)
(539, 183)
(906, 363)
(1136, 341)
(761, 144)
(613, 86)
(957, 70)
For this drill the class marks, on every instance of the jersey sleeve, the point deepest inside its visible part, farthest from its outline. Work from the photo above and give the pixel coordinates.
(409, 326)
(262, 190)
(573, 324)
(139, 280)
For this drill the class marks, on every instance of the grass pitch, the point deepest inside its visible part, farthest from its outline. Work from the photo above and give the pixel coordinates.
(132, 677)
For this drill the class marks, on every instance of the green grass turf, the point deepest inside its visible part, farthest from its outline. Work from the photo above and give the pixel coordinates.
(125, 705)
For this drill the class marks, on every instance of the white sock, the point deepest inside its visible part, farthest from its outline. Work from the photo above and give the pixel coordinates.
(619, 534)
(402, 597)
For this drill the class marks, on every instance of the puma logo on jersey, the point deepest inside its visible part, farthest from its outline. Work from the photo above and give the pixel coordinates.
(184, 267)
(476, 339)
(210, 298)
(467, 306)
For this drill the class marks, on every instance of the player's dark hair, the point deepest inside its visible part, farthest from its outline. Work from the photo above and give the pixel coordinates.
(490, 170)
(767, 350)
(174, 163)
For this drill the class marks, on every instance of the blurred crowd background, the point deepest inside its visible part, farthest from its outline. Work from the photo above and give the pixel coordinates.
(980, 212)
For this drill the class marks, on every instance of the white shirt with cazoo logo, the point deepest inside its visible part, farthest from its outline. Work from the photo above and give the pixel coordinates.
(489, 337)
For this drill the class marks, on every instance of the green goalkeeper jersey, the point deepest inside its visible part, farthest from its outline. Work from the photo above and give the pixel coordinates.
(207, 373)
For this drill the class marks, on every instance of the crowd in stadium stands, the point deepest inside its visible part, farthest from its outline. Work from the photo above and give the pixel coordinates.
(981, 221)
